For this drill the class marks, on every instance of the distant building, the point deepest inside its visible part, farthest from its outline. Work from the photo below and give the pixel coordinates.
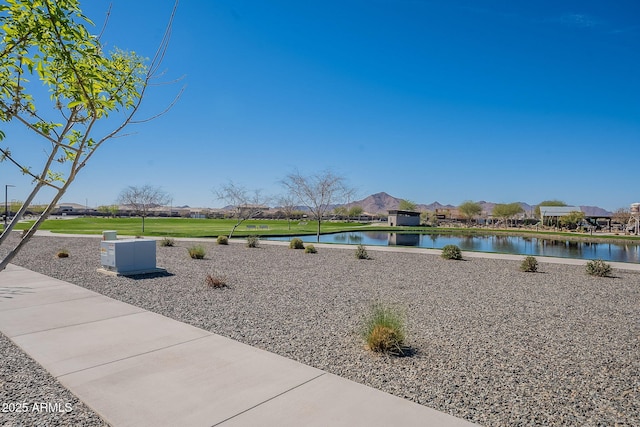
(403, 218)
(554, 213)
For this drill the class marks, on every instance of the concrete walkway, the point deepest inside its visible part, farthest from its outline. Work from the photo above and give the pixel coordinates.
(137, 368)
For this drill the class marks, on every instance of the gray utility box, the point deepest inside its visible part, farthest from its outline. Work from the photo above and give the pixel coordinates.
(128, 256)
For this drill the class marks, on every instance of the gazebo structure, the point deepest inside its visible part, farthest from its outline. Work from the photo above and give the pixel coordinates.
(556, 212)
(559, 211)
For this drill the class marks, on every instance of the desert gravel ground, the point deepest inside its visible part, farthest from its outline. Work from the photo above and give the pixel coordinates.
(488, 343)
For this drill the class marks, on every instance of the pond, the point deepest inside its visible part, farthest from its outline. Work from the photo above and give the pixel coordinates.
(486, 243)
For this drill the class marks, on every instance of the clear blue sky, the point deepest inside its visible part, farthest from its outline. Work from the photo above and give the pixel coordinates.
(500, 101)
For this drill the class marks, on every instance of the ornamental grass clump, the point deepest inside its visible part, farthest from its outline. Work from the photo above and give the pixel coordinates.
(252, 241)
(384, 330)
(222, 240)
(310, 249)
(529, 264)
(296, 243)
(197, 252)
(599, 268)
(167, 242)
(361, 252)
(451, 252)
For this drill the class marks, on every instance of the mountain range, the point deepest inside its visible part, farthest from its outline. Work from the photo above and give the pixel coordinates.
(383, 202)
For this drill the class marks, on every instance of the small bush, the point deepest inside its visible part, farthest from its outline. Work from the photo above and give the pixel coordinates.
(310, 249)
(529, 264)
(215, 281)
(598, 268)
(252, 241)
(62, 253)
(222, 240)
(196, 252)
(167, 241)
(296, 243)
(384, 330)
(451, 252)
(361, 252)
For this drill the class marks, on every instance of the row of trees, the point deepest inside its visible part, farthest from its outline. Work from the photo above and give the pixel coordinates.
(318, 193)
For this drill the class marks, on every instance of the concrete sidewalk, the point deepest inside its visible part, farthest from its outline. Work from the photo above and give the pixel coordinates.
(137, 368)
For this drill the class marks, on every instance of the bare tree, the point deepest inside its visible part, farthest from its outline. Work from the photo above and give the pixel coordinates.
(622, 216)
(317, 192)
(142, 199)
(287, 204)
(245, 204)
(45, 47)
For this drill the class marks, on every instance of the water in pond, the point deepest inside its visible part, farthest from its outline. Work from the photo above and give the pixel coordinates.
(489, 243)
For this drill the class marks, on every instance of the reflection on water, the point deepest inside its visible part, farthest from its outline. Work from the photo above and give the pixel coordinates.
(487, 243)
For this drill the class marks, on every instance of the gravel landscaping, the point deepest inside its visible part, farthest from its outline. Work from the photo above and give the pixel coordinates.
(489, 343)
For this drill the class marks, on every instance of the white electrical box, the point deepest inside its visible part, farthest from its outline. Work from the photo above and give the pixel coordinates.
(128, 256)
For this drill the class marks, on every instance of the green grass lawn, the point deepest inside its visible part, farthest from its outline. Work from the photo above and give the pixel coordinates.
(187, 227)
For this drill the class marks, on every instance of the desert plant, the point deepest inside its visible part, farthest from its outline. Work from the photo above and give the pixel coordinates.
(361, 252)
(310, 249)
(384, 329)
(62, 253)
(196, 252)
(529, 264)
(296, 243)
(215, 281)
(252, 241)
(222, 240)
(167, 241)
(451, 252)
(598, 267)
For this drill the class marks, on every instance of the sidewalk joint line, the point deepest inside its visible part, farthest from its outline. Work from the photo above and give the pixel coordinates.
(88, 322)
(58, 302)
(269, 399)
(134, 355)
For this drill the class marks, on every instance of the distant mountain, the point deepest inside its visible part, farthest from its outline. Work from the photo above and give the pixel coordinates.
(595, 211)
(377, 203)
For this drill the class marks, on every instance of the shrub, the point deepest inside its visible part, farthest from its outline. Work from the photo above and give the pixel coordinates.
(252, 241)
(384, 330)
(310, 249)
(196, 252)
(598, 268)
(529, 264)
(296, 243)
(361, 252)
(167, 241)
(215, 281)
(222, 240)
(62, 253)
(451, 252)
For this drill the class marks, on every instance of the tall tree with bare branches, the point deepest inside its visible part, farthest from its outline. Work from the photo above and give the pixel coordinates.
(47, 44)
(318, 192)
(244, 203)
(142, 200)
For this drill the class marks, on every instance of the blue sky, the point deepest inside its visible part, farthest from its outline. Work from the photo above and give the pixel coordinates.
(426, 100)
